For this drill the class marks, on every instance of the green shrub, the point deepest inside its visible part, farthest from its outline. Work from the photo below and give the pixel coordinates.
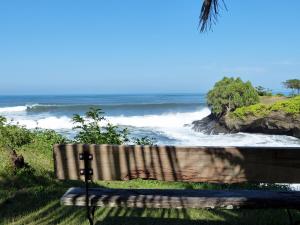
(252, 110)
(13, 136)
(290, 106)
(50, 137)
(91, 132)
(2, 120)
(144, 141)
(229, 94)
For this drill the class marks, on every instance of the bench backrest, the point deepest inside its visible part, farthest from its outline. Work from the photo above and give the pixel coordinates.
(170, 163)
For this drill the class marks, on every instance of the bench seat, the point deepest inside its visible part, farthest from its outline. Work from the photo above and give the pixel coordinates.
(165, 198)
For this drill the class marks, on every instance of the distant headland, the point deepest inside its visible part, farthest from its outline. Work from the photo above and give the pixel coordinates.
(237, 106)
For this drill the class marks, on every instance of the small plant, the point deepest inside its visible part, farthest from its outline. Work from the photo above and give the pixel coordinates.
(2, 121)
(144, 141)
(91, 132)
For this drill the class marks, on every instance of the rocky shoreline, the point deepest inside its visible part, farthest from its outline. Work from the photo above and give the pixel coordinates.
(275, 123)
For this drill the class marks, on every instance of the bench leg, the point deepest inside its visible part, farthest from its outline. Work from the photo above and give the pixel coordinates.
(90, 214)
(291, 218)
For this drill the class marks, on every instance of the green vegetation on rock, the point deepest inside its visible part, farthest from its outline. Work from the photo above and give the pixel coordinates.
(229, 94)
(253, 110)
(290, 106)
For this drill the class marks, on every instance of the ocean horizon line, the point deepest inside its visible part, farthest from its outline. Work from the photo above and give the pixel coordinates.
(105, 94)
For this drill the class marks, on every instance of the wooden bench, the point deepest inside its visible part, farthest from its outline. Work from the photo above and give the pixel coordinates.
(168, 163)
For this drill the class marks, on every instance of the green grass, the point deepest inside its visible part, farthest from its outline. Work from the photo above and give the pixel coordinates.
(289, 106)
(31, 196)
(38, 203)
(268, 100)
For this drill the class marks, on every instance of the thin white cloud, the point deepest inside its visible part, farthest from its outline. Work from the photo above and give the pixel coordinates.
(287, 63)
(245, 69)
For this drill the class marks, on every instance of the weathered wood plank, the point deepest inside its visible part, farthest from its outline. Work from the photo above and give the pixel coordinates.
(155, 198)
(194, 164)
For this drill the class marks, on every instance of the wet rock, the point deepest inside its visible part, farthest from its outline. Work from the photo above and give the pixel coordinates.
(209, 125)
(279, 123)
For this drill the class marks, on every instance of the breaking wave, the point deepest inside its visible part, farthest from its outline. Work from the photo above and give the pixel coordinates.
(164, 120)
(13, 109)
(39, 108)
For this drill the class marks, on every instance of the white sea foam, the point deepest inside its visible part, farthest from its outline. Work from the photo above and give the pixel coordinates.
(175, 120)
(13, 109)
(51, 122)
(16, 109)
(168, 120)
(187, 136)
(170, 126)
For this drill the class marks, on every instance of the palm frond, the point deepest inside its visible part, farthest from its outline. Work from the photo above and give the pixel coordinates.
(209, 13)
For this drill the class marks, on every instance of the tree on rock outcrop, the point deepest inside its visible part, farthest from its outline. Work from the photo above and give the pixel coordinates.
(229, 94)
(293, 84)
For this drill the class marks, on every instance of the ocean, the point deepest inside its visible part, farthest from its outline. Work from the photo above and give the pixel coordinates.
(165, 117)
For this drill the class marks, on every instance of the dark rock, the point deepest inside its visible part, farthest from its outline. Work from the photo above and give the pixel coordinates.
(278, 122)
(209, 125)
(275, 123)
(17, 160)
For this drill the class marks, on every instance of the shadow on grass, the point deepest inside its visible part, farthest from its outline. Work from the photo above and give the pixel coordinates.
(35, 200)
(151, 221)
(190, 217)
(40, 205)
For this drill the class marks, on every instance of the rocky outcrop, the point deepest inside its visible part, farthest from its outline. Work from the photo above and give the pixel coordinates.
(275, 123)
(210, 125)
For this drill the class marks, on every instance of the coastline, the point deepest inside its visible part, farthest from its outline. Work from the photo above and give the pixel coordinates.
(169, 122)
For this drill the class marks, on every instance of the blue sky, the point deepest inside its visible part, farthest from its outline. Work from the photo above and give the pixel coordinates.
(143, 46)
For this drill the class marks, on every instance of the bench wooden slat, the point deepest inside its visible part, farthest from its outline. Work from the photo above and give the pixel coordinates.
(156, 198)
(193, 164)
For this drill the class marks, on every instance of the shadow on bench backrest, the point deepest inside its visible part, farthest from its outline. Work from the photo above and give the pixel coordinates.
(169, 163)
